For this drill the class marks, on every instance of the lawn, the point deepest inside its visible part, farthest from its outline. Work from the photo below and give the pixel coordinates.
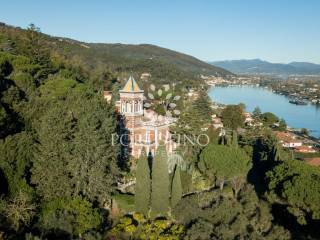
(125, 201)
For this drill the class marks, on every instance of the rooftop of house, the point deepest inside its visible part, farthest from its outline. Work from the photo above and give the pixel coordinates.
(313, 161)
(304, 148)
(286, 136)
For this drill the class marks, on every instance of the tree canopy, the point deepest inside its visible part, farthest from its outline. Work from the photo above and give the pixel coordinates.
(297, 185)
(233, 116)
(227, 163)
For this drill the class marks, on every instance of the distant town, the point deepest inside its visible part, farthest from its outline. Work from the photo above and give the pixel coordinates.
(300, 89)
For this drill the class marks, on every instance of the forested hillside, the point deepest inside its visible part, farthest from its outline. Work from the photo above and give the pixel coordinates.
(151, 52)
(51, 120)
(164, 65)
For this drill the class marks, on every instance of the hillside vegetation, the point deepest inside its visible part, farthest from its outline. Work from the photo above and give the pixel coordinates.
(164, 65)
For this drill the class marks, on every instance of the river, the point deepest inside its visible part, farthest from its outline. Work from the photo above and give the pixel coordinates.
(296, 116)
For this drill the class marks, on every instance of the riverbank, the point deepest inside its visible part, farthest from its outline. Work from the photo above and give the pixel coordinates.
(296, 116)
(300, 91)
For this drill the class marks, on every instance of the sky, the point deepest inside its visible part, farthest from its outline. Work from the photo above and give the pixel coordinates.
(211, 30)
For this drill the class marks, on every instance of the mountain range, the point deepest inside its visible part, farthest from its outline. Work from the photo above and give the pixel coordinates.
(258, 66)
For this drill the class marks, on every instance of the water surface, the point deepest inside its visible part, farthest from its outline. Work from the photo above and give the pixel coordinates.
(296, 116)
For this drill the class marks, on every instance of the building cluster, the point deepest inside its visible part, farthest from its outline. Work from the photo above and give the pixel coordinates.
(303, 91)
(290, 140)
(231, 80)
(216, 121)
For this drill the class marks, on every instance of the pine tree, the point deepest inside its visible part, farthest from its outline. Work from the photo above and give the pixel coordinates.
(160, 184)
(176, 189)
(256, 112)
(93, 163)
(36, 48)
(49, 173)
(143, 185)
(75, 152)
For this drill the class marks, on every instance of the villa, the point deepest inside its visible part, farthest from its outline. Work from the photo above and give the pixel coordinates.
(144, 128)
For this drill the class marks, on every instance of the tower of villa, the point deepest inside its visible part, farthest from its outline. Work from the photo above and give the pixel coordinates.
(131, 103)
(143, 126)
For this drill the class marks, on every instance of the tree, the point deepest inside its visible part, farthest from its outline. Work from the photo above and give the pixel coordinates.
(176, 189)
(233, 117)
(36, 48)
(200, 230)
(234, 139)
(92, 166)
(3, 120)
(5, 66)
(256, 112)
(143, 185)
(228, 163)
(304, 131)
(72, 215)
(49, 173)
(25, 82)
(297, 185)
(214, 215)
(75, 154)
(137, 227)
(203, 105)
(20, 210)
(282, 125)
(15, 161)
(195, 117)
(192, 123)
(269, 118)
(160, 184)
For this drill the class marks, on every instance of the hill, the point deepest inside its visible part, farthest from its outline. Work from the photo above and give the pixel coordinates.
(163, 64)
(152, 52)
(257, 66)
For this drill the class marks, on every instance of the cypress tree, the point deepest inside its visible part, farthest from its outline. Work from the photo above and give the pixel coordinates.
(143, 185)
(160, 184)
(234, 138)
(176, 190)
(275, 154)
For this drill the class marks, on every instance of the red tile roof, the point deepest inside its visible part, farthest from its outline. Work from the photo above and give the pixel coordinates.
(305, 149)
(286, 137)
(313, 161)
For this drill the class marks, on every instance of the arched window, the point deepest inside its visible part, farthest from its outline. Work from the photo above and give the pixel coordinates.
(135, 106)
(127, 106)
(122, 106)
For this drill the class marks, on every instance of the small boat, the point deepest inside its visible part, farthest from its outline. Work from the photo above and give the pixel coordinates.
(298, 102)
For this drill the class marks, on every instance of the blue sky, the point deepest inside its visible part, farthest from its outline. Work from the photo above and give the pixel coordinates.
(274, 30)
